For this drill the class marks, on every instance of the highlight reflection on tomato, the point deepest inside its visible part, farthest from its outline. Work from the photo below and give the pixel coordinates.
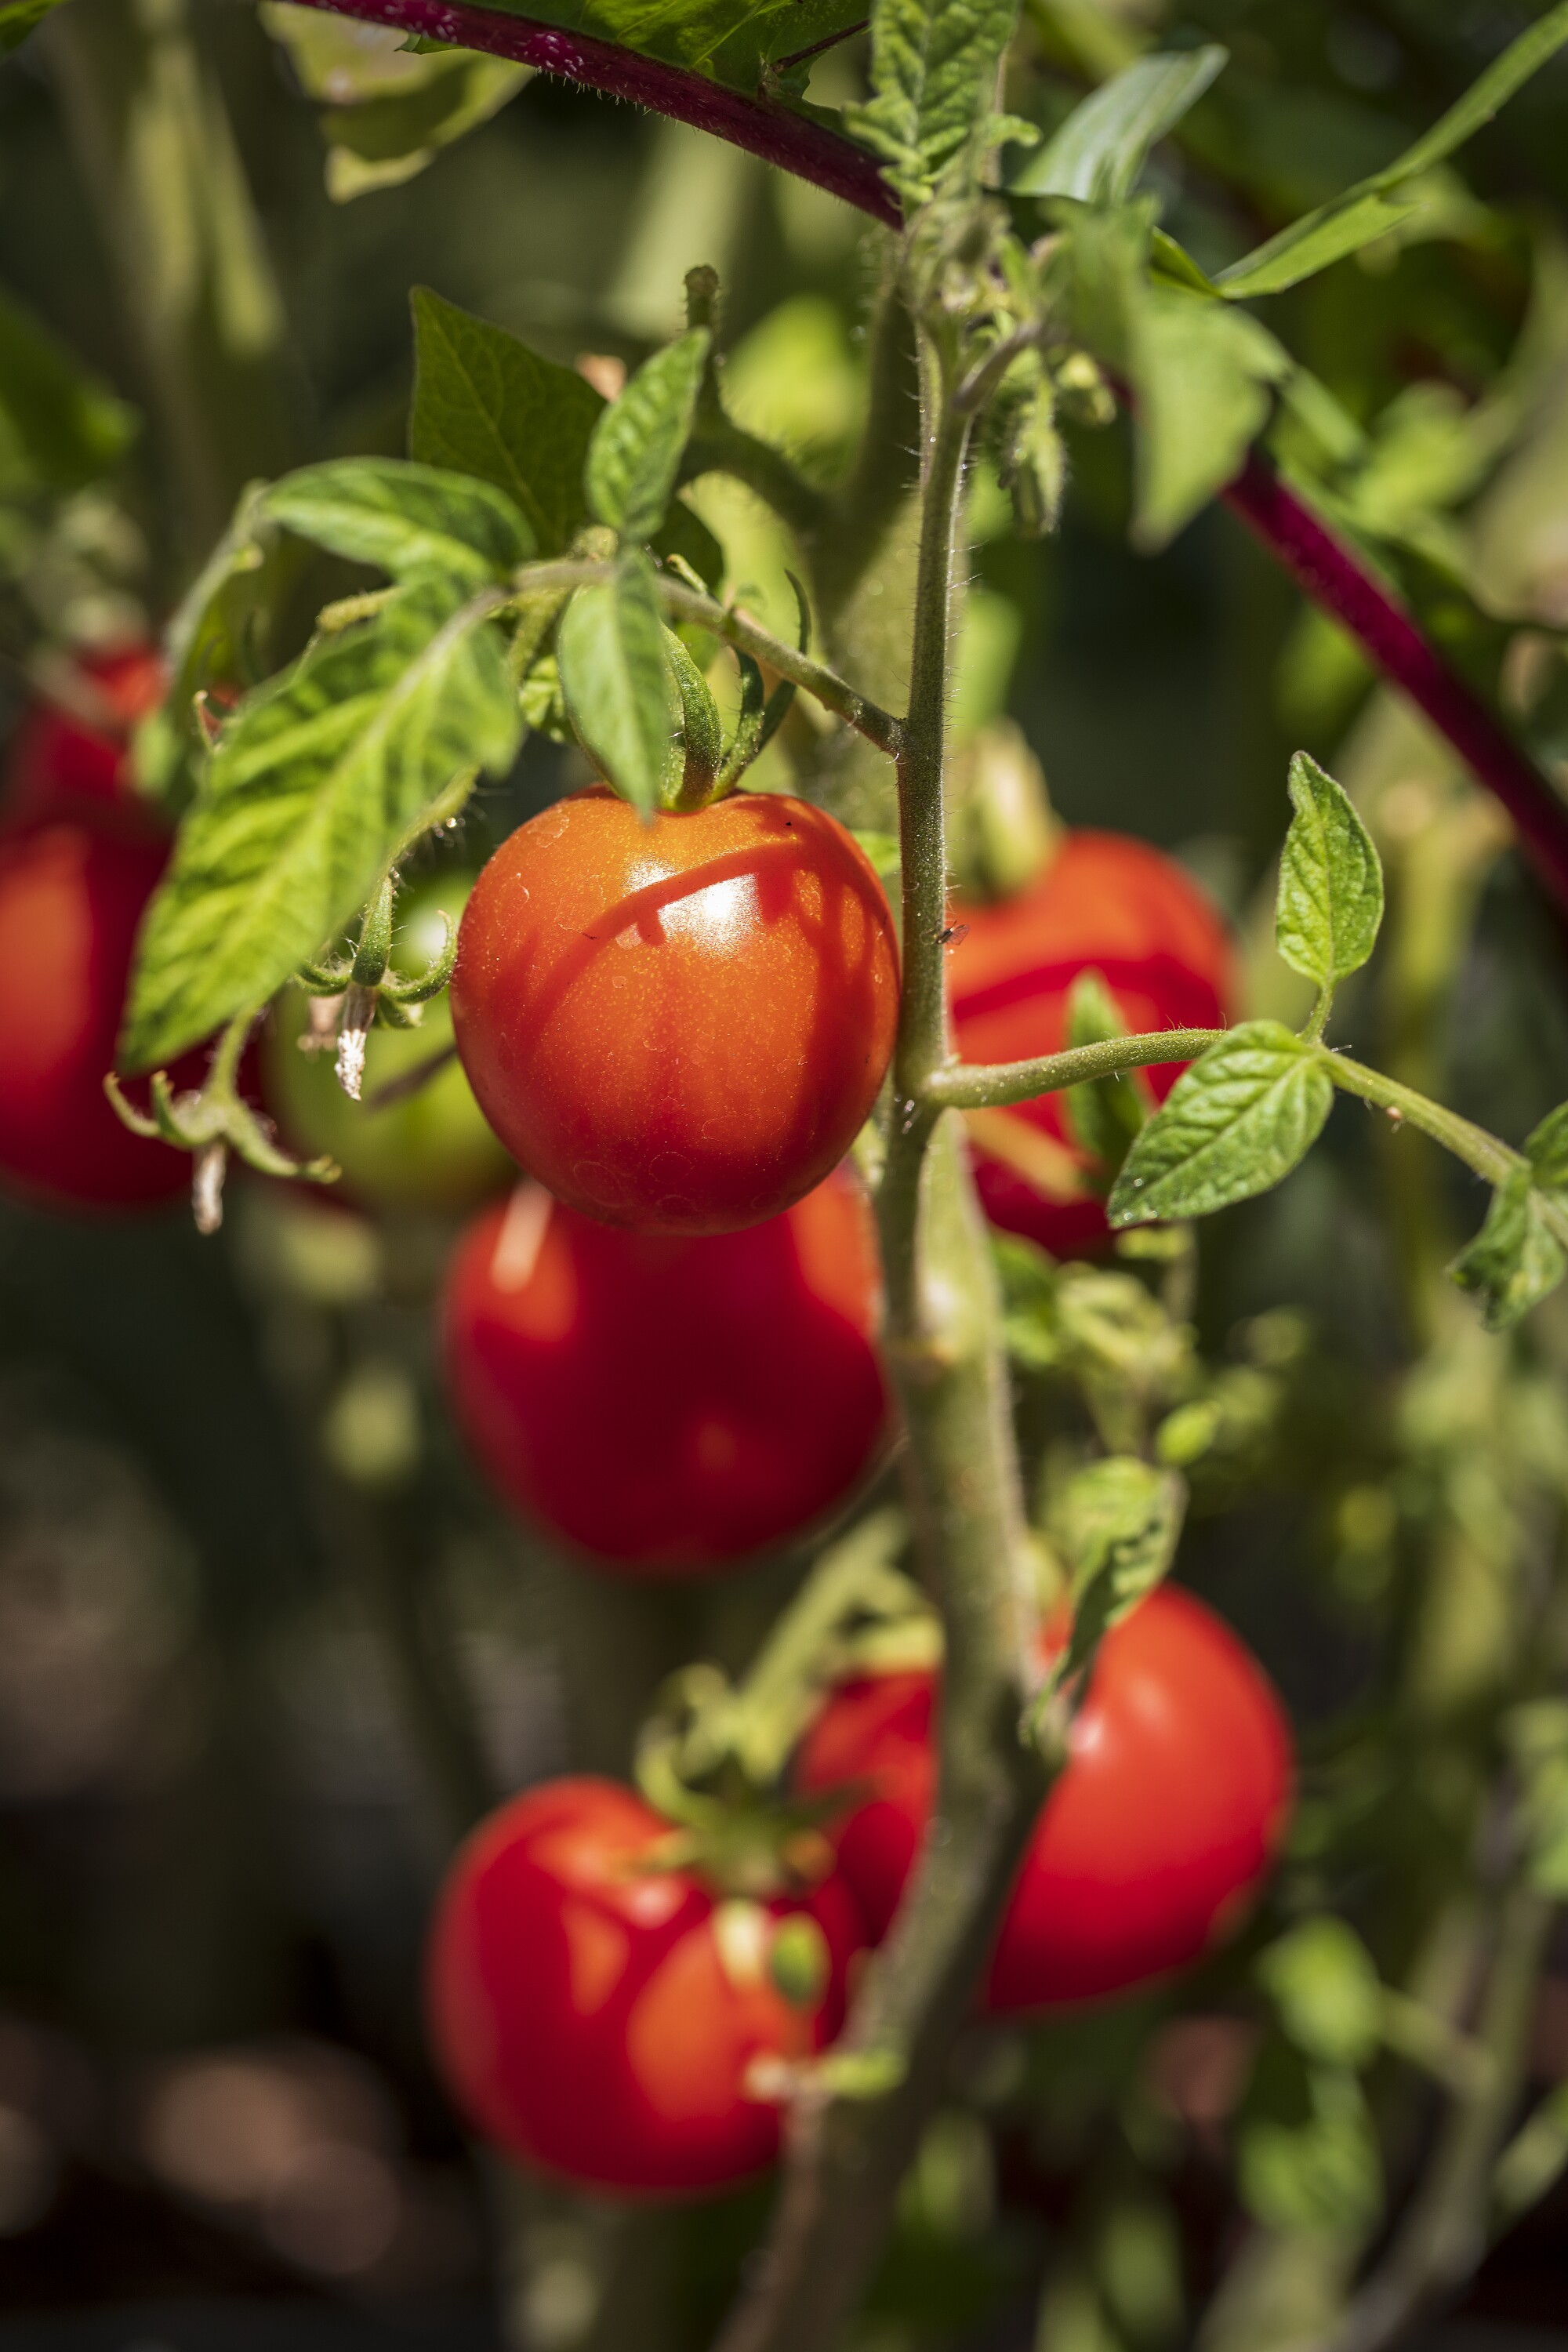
(599, 2014)
(668, 1403)
(1104, 903)
(679, 1025)
(1167, 1817)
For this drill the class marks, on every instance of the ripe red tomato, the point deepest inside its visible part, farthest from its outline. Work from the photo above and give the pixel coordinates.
(600, 2015)
(679, 1025)
(1168, 1814)
(58, 759)
(668, 1403)
(72, 892)
(1104, 904)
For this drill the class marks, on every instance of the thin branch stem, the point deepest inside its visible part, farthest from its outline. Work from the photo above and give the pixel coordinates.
(984, 1085)
(1483, 1152)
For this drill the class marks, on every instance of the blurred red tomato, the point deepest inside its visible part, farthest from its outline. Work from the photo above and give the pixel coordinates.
(72, 893)
(681, 1024)
(1103, 904)
(669, 1404)
(1168, 1815)
(60, 758)
(595, 2013)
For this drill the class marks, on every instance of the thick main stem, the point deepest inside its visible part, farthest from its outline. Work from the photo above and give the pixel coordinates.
(847, 2156)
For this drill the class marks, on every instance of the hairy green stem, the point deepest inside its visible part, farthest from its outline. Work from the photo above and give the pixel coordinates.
(1483, 1152)
(985, 1085)
(847, 2156)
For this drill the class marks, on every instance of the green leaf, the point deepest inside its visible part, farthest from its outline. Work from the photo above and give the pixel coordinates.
(1116, 1523)
(410, 521)
(933, 72)
(1105, 1115)
(1330, 881)
(1233, 1124)
(1547, 1151)
(18, 18)
(1324, 1983)
(1365, 211)
(485, 405)
(318, 781)
(639, 441)
(615, 680)
(211, 639)
(1518, 1258)
(1308, 2156)
(1202, 398)
(59, 425)
(1101, 148)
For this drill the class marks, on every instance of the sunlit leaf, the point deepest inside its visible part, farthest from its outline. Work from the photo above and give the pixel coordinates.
(1241, 1118)
(616, 680)
(1101, 148)
(1330, 881)
(637, 443)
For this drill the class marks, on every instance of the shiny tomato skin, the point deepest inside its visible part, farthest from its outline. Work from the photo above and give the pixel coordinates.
(677, 1025)
(1167, 1818)
(586, 2016)
(1107, 904)
(72, 893)
(57, 760)
(669, 1404)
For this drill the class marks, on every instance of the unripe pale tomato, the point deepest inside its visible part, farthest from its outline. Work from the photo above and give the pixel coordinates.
(433, 1149)
(679, 1025)
(72, 893)
(599, 2014)
(1168, 1814)
(669, 1404)
(1105, 904)
(58, 759)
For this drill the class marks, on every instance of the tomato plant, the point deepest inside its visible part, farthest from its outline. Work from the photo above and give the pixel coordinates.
(73, 890)
(1168, 1814)
(431, 1147)
(599, 2009)
(611, 1385)
(680, 1025)
(61, 756)
(1103, 904)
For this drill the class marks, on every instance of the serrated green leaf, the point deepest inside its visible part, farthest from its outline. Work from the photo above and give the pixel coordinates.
(319, 780)
(933, 71)
(60, 426)
(485, 405)
(1516, 1259)
(1101, 148)
(1234, 1123)
(18, 18)
(616, 681)
(1370, 208)
(1325, 1985)
(639, 443)
(1329, 903)
(408, 520)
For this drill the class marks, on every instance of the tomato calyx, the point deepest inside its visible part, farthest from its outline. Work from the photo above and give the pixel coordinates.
(352, 994)
(212, 1120)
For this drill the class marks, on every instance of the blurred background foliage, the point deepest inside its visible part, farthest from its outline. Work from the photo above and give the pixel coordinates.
(241, 1560)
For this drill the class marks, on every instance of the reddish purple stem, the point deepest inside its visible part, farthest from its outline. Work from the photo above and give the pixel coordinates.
(1327, 570)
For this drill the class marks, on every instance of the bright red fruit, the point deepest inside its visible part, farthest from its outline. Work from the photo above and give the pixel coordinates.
(59, 760)
(72, 892)
(679, 1025)
(599, 2014)
(1103, 904)
(669, 1404)
(1168, 1814)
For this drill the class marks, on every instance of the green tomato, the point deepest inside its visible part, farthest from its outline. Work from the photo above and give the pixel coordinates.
(433, 1149)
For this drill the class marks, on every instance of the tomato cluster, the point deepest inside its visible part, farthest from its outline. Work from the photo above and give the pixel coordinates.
(1166, 1817)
